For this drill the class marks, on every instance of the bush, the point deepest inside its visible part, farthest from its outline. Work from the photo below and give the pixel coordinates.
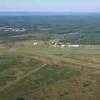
(20, 99)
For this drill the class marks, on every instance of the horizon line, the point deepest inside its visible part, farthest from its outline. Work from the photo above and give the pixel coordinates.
(50, 11)
(41, 13)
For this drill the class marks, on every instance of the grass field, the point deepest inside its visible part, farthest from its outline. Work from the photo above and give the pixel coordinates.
(45, 73)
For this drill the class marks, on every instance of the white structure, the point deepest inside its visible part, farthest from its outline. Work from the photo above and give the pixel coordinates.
(62, 46)
(35, 43)
(73, 46)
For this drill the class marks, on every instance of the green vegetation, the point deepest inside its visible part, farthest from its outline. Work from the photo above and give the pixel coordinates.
(45, 73)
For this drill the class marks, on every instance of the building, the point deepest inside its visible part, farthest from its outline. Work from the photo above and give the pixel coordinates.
(35, 43)
(73, 46)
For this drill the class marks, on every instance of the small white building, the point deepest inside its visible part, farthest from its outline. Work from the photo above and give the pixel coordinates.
(62, 46)
(35, 43)
(73, 46)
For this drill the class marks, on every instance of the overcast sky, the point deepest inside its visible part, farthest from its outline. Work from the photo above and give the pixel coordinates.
(51, 5)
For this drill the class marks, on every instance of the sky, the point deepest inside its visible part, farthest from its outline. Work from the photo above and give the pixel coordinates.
(50, 5)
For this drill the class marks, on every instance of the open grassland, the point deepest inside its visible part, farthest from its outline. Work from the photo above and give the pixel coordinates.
(47, 73)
